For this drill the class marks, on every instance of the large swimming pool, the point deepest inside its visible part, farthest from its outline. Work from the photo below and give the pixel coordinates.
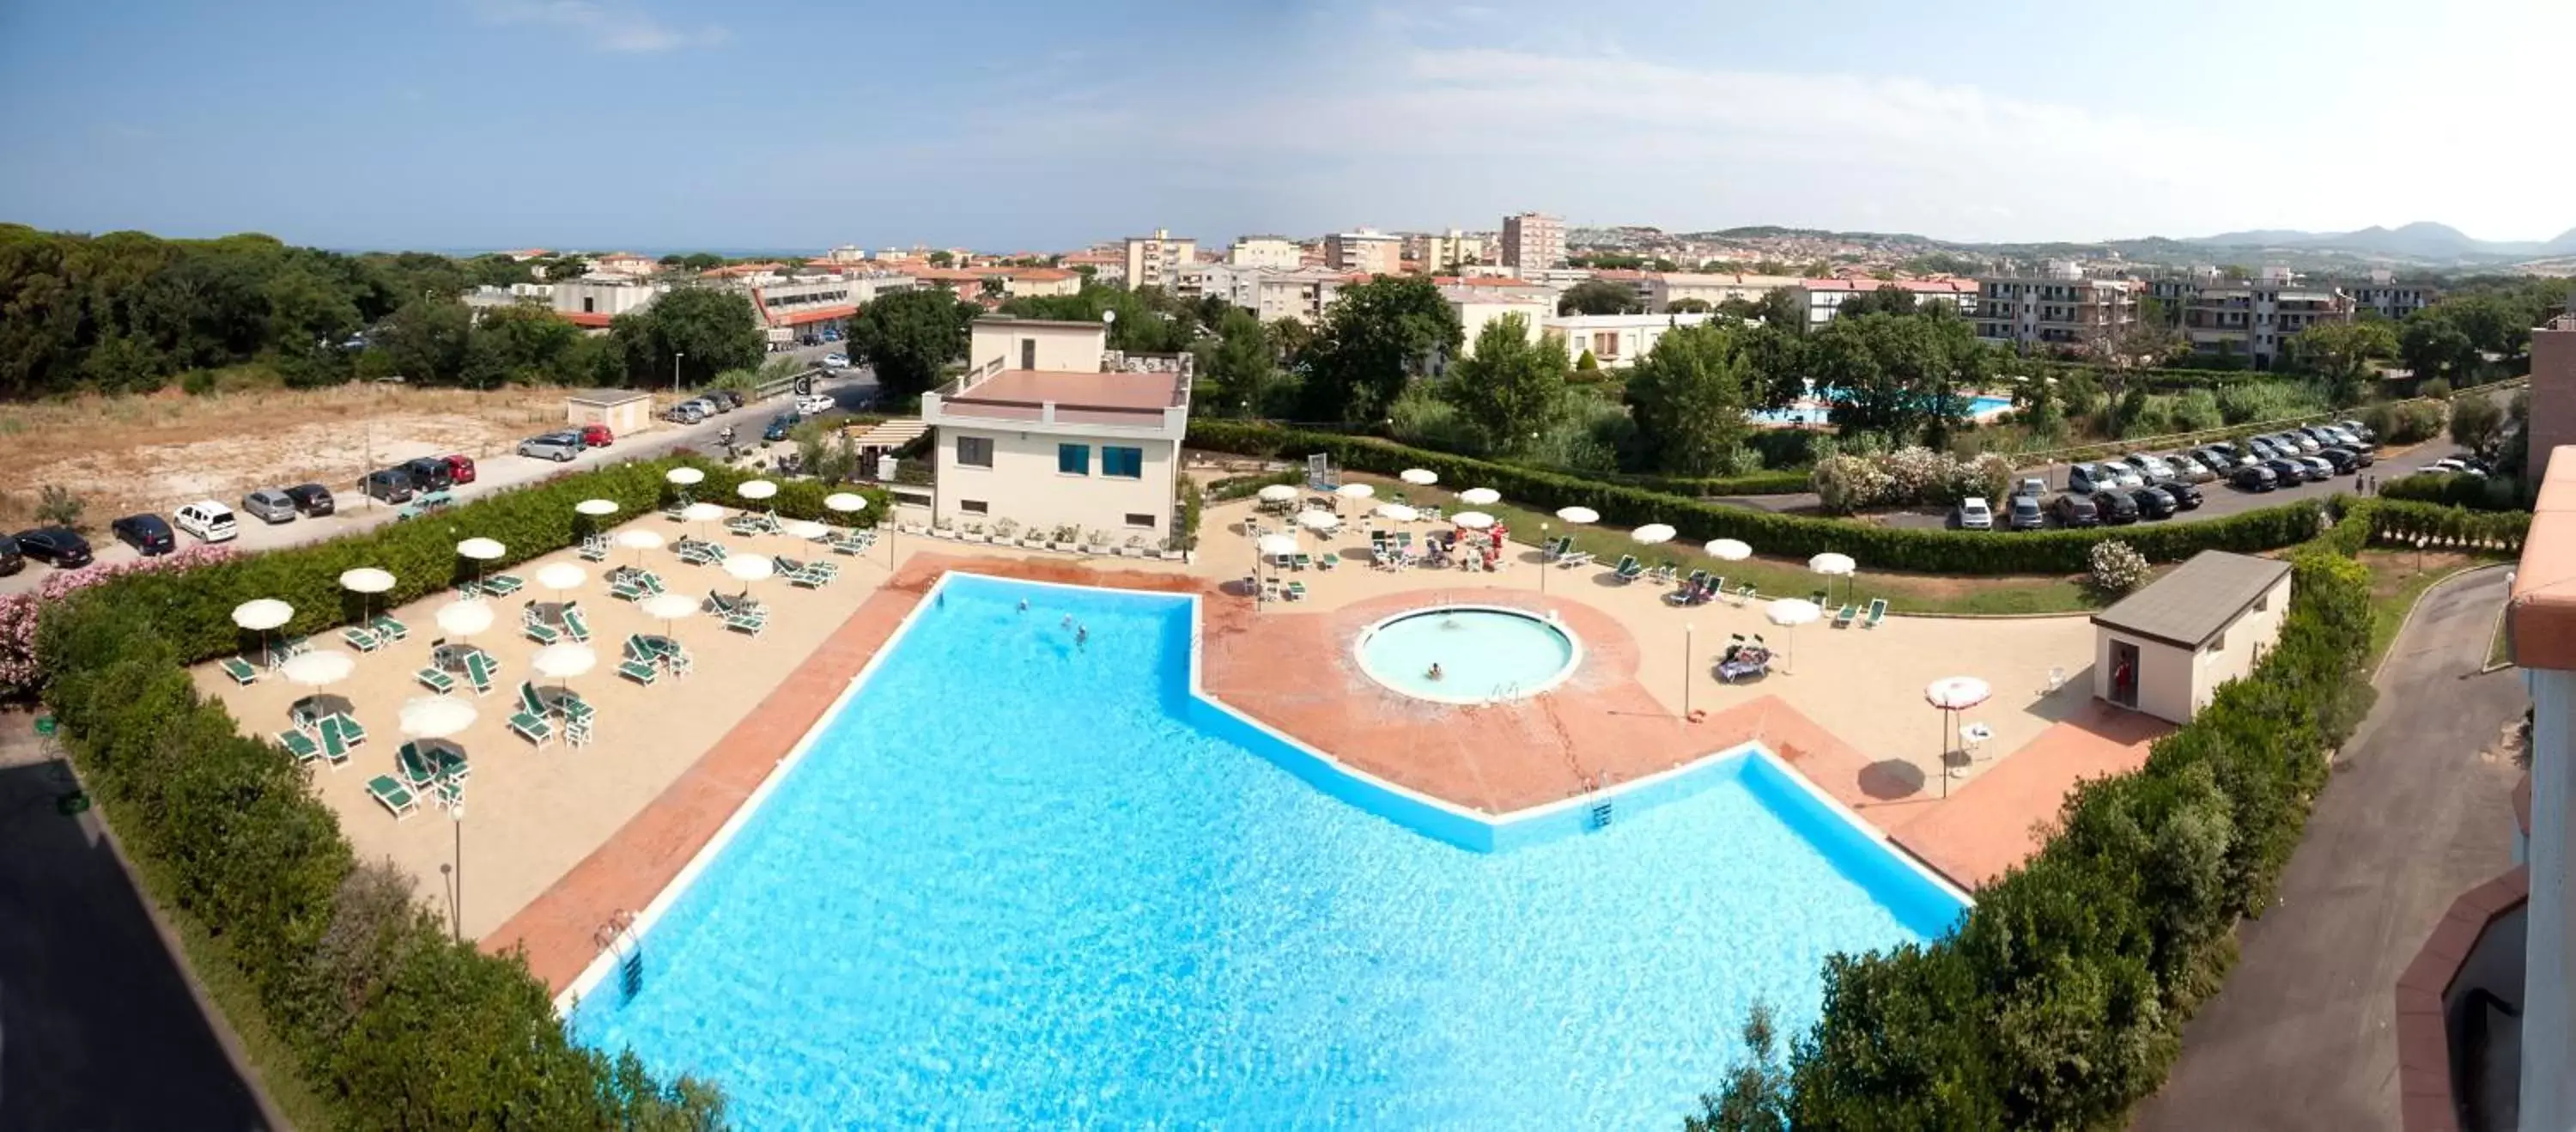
(1024, 881)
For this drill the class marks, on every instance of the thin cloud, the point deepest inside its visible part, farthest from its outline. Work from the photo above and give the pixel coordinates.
(606, 26)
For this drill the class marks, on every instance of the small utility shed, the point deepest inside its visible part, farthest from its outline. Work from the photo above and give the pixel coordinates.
(622, 410)
(2165, 649)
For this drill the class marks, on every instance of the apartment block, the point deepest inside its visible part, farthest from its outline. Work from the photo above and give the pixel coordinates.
(1268, 292)
(2058, 306)
(2255, 318)
(1364, 252)
(2393, 300)
(1822, 299)
(1152, 261)
(1533, 241)
(1437, 254)
(1666, 288)
(1264, 251)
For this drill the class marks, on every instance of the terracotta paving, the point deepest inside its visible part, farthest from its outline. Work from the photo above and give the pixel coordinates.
(1995, 821)
(1294, 671)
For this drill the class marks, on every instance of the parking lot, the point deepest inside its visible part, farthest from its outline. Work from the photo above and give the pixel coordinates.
(2218, 498)
(494, 471)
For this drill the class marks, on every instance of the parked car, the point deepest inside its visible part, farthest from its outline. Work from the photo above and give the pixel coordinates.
(2255, 477)
(2185, 496)
(1974, 515)
(2339, 459)
(2152, 503)
(815, 404)
(559, 447)
(2356, 428)
(2022, 513)
(2286, 472)
(597, 436)
(460, 467)
(428, 473)
(721, 400)
(687, 412)
(836, 361)
(2032, 486)
(58, 547)
(2448, 464)
(2090, 478)
(11, 561)
(778, 426)
(391, 485)
(2192, 469)
(2075, 510)
(269, 505)
(147, 534)
(2294, 440)
(311, 498)
(2151, 469)
(2319, 469)
(2361, 457)
(2119, 506)
(208, 520)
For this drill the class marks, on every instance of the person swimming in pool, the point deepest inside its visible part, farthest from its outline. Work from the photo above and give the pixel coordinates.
(1081, 635)
(1024, 605)
(1435, 670)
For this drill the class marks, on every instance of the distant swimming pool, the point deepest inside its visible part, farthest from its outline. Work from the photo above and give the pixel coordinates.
(1815, 410)
(1019, 881)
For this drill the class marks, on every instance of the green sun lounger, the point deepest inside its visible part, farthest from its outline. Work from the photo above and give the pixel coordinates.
(532, 728)
(242, 671)
(751, 623)
(299, 745)
(502, 585)
(1877, 613)
(1629, 568)
(1296, 590)
(639, 671)
(540, 632)
(435, 680)
(478, 671)
(384, 789)
(386, 628)
(1843, 617)
(349, 727)
(335, 744)
(418, 771)
(360, 639)
(1747, 595)
(450, 764)
(649, 582)
(574, 626)
(594, 549)
(624, 592)
(530, 703)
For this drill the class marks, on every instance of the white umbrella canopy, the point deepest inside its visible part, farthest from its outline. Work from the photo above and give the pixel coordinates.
(1275, 544)
(685, 476)
(1419, 477)
(1480, 497)
(596, 507)
(748, 567)
(318, 668)
(563, 660)
(755, 489)
(262, 614)
(846, 502)
(1319, 520)
(669, 607)
(1472, 520)
(561, 576)
(464, 618)
(804, 528)
(366, 580)
(1652, 533)
(1830, 564)
(1397, 512)
(481, 549)
(1278, 493)
(1956, 693)
(639, 539)
(1792, 611)
(701, 513)
(1731, 550)
(436, 717)
(1578, 514)
(1355, 491)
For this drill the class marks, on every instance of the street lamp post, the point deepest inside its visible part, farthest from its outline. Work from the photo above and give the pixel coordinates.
(675, 371)
(456, 816)
(1542, 557)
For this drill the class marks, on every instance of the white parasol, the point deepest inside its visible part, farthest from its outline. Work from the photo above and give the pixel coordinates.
(1953, 694)
(639, 539)
(263, 614)
(481, 549)
(1472, 520)
(1652, 533)
(685, 476)
(1832, 565)
(1273, 545)
(1321, 522)
(561, 576)
(1480, 497)
(1792, 612)
(436, 717)
(1278, 493)
(1419, 477)
(1355, 491)
(563, 660)
(596, 507)
(701, 513)
(464, 618)
(1397, 512)
(1731, 550)
(804, 529)
(755, 489)
(366, 580)
(318, 668)
(1578, 514)
(667, 608)
(748, 567)
(845, 502)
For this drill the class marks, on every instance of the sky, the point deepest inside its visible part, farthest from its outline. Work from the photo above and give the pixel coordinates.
(1010, 125)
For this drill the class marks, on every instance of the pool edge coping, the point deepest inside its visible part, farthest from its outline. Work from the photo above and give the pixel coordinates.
(597, 970)
(1360, 643)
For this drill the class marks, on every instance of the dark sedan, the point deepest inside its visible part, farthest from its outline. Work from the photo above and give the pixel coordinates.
(2022, 513)
(2118, 506)
(311, 498)
(57, 546)
(2077, 511)
(2152, 502)
(2339, 459)
(2255, 477)
(10, 560)
(2289, 473)
(147, 534)
(2185, 496)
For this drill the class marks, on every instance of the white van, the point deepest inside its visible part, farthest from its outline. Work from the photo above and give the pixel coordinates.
(208, 520)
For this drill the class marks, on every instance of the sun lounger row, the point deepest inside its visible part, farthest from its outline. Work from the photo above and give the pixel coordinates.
(805, 574)
(699, 552)
(750, 523)
(594, 548)
(855, 541)
(328, 738)
(418, 771)
(498, 585)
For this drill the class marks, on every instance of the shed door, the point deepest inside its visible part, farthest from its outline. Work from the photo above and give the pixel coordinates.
(2124, 674)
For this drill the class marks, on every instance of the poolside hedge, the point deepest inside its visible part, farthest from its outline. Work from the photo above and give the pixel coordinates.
(2060, 999)
(392, 1023)
(1786, 536)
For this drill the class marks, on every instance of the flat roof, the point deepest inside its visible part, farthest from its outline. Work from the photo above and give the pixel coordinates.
(607, 396)
(1016, 320)
(2196, 602)
(2542, 610)
(1073, 387)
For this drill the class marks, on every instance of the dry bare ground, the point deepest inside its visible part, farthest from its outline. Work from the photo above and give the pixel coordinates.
(153, 453)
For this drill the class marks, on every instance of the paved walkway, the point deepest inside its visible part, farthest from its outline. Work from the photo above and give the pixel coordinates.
(1998, 820)
(2303, 1035)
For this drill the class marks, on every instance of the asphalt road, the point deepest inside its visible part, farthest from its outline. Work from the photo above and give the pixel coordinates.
(358, 512)
(2303, 1034)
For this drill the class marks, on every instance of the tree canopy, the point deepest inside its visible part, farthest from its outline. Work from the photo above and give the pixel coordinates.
(1239, 368)
(1889, 299)
(1376, 336)
(1688, 396)
(707, 331)
(2342, 353)
(1509, 388)
(1599, 296)
(908, 336)
(1898, 374)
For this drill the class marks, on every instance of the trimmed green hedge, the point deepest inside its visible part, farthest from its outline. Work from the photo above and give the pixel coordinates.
(2459, 489)
(395, 1024)
(2059, 1000)
(1787, 536)
(2401, 522)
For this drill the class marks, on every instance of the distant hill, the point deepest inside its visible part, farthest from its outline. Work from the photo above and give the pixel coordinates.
(2424, 240)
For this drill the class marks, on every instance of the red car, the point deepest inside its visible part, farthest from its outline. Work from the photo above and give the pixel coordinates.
(597, 436)
(460, 468)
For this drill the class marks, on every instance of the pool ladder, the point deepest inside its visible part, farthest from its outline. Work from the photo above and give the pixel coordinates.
(618, 938)
(1601, 814)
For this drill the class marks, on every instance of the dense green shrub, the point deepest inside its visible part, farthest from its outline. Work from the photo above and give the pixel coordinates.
(1788, 536)
(2059, 1000)
(1245, 487)
(2460, 489)
(2401, 522)
(2404, 422)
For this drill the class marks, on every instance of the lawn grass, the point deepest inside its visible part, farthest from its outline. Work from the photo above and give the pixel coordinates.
(1774, 577)
(2499, 646)
(2397, 579)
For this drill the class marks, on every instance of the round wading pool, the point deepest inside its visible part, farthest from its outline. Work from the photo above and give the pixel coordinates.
(1483, 653)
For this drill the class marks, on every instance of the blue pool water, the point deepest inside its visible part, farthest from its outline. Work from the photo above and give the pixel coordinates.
(1483, 654)
(1816, 410)
(1024, 882)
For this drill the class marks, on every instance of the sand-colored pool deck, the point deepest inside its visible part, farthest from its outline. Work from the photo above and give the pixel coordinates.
(561, 841)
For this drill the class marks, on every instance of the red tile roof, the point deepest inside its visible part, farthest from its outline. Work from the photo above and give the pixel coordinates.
(812, 314)
(593, 319)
